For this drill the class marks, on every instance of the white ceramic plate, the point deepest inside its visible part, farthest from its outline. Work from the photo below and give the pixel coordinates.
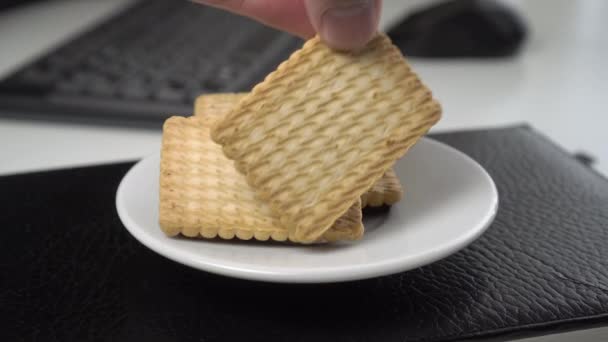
(449, 201)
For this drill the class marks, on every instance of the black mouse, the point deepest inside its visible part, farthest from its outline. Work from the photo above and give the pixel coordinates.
(461, 28)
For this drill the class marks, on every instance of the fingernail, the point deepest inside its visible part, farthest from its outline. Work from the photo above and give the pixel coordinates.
(349, 24)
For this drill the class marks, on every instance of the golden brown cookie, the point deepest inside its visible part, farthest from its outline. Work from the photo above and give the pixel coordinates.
(323, 128)
(201, 194)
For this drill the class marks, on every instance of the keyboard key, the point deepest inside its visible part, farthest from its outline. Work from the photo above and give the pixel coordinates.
(68, 87)
(170, 95)
(102, 89)
(134, 91)
(227, 73)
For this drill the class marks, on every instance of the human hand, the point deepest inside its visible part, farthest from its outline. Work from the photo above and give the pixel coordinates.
(342, 24)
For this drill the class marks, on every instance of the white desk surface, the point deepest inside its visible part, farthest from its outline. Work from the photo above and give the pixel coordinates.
(559, 85)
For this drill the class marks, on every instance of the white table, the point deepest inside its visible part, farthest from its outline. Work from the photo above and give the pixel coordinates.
(559, 85)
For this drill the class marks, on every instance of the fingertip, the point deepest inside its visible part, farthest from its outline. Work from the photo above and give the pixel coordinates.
(345, 25)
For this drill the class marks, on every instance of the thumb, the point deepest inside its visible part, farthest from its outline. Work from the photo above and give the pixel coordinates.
(344, 24)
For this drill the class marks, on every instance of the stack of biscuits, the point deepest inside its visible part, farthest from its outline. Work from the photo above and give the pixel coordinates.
(300, 155)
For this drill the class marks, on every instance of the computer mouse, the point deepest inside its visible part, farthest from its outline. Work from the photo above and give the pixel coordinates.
(461, 28)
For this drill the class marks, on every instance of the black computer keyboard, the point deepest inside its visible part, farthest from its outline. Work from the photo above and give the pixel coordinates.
(146, 63)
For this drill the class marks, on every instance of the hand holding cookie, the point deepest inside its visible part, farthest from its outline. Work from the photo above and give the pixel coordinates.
(298, 156)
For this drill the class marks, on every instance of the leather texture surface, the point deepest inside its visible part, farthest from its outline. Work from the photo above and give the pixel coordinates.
(69, 271)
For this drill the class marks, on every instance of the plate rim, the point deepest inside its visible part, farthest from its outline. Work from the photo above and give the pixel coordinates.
(326, 275)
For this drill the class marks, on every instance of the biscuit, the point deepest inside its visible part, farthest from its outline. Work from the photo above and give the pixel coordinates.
(201, 194)
(219, 104)
(324, 127)
(386, 191)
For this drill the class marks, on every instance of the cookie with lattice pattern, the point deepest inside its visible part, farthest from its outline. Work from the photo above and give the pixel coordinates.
(324, 127)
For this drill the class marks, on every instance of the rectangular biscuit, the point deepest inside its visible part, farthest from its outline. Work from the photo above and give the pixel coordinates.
(386, 191)
(201, 194)
(324, 127)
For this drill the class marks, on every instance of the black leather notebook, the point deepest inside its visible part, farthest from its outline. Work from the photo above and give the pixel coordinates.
(69, 271)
